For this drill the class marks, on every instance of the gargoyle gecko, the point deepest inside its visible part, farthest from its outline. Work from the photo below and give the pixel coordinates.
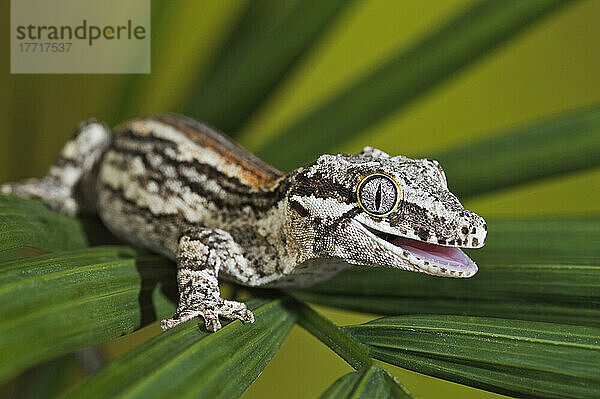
(181, 189)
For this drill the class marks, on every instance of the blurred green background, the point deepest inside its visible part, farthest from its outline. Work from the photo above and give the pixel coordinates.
(551, 67)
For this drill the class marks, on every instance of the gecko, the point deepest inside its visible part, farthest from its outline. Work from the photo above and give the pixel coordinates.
(186, 191)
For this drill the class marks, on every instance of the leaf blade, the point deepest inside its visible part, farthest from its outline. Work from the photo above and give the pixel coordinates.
(370, 382)
(331, 335)
(30, 224)
(248, 69)
(561, 144)
(71, 300)
(520, 358)
(188, 362)
(403, 78)
(565, 239)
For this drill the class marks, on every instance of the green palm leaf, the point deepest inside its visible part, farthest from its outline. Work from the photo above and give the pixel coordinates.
(371, 382)
(45, 380)
(70, 300)
(404, 78)
(187, 362)
(562, 144)
(524, 359)
(248, 69)
(25, 227)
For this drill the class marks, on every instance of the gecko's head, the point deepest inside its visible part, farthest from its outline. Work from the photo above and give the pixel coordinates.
(374, 209)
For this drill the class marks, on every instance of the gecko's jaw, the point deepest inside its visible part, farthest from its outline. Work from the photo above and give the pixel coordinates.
(429, 258)
(438, 259)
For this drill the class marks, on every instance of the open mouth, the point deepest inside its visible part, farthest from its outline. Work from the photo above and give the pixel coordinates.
(433, 259)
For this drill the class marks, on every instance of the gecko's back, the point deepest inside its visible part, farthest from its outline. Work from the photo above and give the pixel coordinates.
(163, 174)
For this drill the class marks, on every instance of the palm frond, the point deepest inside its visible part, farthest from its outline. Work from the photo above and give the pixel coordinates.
(525, 359)
(372, 382)
(406, 76)
(247, 69)
(73, 299)
(187, 363)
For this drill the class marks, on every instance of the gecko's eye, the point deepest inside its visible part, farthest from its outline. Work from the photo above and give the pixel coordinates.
(378, 194)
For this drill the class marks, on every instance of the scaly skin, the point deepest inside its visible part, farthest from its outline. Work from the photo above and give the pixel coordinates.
(179, 188)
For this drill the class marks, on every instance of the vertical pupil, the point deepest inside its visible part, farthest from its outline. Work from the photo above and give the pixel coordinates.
(378, 197)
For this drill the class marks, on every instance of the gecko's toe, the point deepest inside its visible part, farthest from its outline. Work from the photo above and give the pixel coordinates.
(180, 317)
(17, 189)
(247, 316)
(6, 189)
(212, 323)
(168, 324)
(237, 310)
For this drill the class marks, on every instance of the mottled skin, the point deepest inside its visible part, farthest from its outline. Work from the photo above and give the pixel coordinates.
(179, 188)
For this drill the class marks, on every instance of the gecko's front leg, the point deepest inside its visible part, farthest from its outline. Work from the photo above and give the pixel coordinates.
(202, 254)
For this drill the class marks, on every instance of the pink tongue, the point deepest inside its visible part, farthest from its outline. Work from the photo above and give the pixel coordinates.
(438, 254)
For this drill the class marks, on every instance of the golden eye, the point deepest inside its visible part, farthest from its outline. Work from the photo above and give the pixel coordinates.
(378, 194)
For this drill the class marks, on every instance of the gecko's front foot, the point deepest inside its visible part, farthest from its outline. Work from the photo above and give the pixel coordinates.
(228, 309)
(201, 254)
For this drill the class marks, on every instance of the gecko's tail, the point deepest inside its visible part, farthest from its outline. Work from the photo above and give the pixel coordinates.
(69, 185)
